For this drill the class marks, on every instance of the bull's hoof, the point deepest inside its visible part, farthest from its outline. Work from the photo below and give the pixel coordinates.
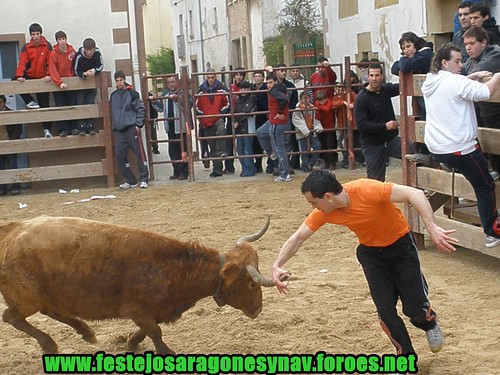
(49, 347)
(89, 337)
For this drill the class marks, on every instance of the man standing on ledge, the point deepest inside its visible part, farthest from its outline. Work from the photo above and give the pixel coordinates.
(387, 251)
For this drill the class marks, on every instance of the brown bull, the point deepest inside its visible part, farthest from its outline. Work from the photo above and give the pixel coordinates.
(72, 269)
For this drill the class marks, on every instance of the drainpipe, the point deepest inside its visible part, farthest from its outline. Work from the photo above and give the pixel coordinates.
(201, 38)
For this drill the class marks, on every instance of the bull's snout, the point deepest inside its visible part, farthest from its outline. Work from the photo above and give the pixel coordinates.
(253, 313)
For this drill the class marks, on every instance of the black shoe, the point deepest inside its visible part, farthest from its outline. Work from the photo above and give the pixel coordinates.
(228, 171)
(156, 151)
(182, 177)
(259, 169)
(291, 171)
(63, 134)
(215, 174)
(276, 172)
(75, 132)
(15, 192)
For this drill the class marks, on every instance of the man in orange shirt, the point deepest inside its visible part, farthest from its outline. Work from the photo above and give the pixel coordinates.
(387, 251)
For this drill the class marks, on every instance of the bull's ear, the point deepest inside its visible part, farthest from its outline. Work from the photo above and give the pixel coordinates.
(230, 273)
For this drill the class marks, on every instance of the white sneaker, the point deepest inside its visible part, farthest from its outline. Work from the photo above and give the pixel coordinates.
(435, 339)
(281, 179)
(33, 105)
(143, 185)
(126, 185)
(46, 133)
(490, 241)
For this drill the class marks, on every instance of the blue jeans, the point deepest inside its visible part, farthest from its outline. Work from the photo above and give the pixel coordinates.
(475, 169)
(309, 159)
(272, 138)
(245, 147)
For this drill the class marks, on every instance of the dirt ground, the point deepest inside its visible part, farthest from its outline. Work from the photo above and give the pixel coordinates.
(326, 311)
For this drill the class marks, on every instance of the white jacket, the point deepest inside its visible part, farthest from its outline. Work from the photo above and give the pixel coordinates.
(451, 124)
(299, 122)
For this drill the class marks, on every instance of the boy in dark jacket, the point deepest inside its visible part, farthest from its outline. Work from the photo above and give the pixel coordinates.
(127, 119)
(245, 104)
(88, 63)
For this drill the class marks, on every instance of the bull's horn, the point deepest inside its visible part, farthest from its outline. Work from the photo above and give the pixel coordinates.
(258, 278)
(255, 236)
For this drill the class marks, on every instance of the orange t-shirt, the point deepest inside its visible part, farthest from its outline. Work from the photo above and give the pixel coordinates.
(371, 215)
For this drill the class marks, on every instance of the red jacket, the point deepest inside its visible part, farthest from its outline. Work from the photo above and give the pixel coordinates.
(325, 114)
(344, 113)
(62, 64)
(277, 101)
(329, 79)
(212, 105)
(34, 60)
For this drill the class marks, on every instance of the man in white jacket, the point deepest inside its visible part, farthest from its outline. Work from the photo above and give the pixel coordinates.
(451, 129)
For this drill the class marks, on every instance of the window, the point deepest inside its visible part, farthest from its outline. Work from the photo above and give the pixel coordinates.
(215, 25)
(8, 60)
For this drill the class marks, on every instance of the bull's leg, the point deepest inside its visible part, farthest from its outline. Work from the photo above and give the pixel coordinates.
(153, 331)
(135, 339)
(79, 325)
(48, 345)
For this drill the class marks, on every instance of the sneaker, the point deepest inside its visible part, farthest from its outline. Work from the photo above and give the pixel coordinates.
(490, 241)
(90, 129)
(494, 175)
(126, 185)
(33, 105)
(75, 132)
(63, 134)
(283, 179)
(155, 151)
(273, 156)
(215, 174)
(143, 185)
(46, 133)
(82, 129)
(435, 338)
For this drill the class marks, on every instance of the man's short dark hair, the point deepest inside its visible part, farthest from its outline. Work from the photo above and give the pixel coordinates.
(244, 84)
(319, 182)
(322, 59)
(376, 66)
(483, 9)
(61, 34)
(3, 98)
(280, 65)
(477, 32)
(259, 72)
(88, 43)
(35, 28)
(272, 76)
(119, 74)
(465, 4)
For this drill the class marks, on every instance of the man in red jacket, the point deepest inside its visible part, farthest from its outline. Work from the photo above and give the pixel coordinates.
(34, 64)
(211, 107)
(271, 135)
(62, 64)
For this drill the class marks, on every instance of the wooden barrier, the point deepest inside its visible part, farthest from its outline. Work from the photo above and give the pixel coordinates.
(447, 187)
(56, 158)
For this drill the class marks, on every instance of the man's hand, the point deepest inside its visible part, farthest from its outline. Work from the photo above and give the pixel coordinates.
(21, 79)
(391, 125)
(279, 116)
(444, 243)
(279, 274)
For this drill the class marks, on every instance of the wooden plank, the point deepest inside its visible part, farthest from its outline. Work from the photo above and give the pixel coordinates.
(470, 236)
(29, 145)
(30, 116)
(488, 138)
(441, 181)
(418, 81)
(55, 172)
(33, 86)
(419, 131)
